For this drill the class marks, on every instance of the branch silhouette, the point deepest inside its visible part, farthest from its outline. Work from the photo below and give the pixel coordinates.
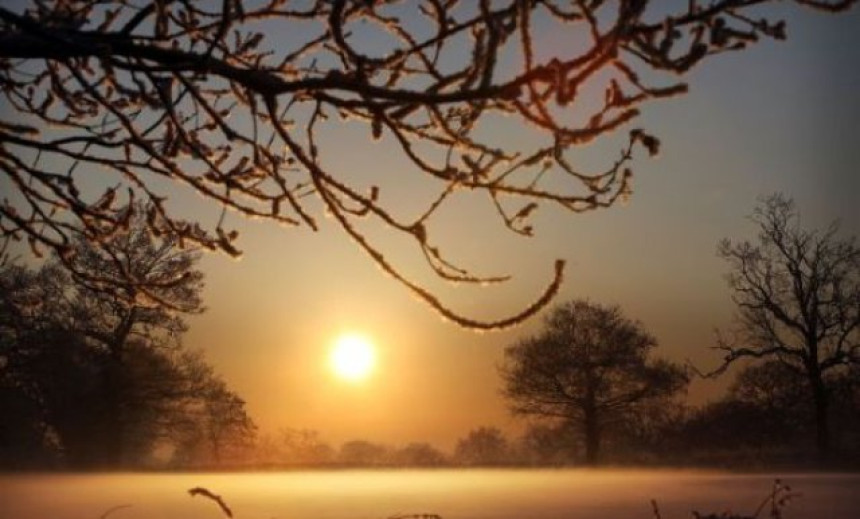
(212, 98)
(200, 491)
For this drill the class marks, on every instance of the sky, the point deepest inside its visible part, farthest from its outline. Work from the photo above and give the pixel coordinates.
(780, 117)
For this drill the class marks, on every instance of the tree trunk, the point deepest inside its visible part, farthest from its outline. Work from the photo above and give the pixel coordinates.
(821, 401)
(215, 440)
(592, 443)
(592, 434)
(116, 385)
(113, 421)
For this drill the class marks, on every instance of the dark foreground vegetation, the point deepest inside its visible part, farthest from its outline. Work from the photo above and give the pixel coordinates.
(98, 379)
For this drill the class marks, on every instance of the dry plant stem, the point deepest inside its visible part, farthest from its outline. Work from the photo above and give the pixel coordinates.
(655, 509)
(778, 499)
(201, 95)
(200, 491)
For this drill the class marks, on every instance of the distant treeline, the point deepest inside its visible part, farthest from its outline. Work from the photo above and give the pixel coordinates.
(748, 429)
(754, 426)
(75, 396)
(94, 375)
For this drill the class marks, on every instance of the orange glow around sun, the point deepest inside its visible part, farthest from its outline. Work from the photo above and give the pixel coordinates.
(353, 357)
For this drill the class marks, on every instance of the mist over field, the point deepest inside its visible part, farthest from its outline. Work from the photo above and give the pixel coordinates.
(452, 494)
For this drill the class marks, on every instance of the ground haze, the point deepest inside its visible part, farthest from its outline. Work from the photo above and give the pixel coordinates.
(453, 494)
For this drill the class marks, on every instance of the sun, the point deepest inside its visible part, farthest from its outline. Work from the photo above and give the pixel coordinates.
(352, 357)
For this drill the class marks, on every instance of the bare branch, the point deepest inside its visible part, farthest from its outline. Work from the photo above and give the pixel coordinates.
(220, 99)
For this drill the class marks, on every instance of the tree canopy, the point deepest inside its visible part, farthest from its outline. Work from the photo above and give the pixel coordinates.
(589, 366)
(97, 377)
(483, 446)
(105, 103)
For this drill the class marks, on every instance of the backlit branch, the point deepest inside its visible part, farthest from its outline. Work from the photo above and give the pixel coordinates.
(105, 104)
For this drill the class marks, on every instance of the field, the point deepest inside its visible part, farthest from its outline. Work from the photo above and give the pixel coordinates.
(452, 494)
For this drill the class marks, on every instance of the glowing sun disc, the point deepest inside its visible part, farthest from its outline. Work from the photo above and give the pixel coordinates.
(352, 357)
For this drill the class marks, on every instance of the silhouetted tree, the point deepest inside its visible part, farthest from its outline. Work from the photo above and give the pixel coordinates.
(173, 399)
(54, 410)
(780, 396)
(798, 298)
(225, 101)
(99, 374)
(765, 419)
(130, 286)
(845, 412)
(762, 420)
(590, 365)
(728, 433)
(484, 446)
(362, 453)
(419, 455)
(645, 436)
(43, 369)
(58, 403)
(303, 447)
(212, 426)
(548, 444)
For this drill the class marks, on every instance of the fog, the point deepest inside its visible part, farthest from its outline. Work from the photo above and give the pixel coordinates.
(452, 494)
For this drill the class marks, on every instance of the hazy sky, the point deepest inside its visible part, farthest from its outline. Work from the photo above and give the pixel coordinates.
(779, 117)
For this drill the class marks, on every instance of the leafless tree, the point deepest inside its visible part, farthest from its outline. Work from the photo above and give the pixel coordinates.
(483, 446)
(87, 383)
(131, 290)
(221, 99)
(217, 428)
(589, 366)
(301, 447)
(798, 298)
